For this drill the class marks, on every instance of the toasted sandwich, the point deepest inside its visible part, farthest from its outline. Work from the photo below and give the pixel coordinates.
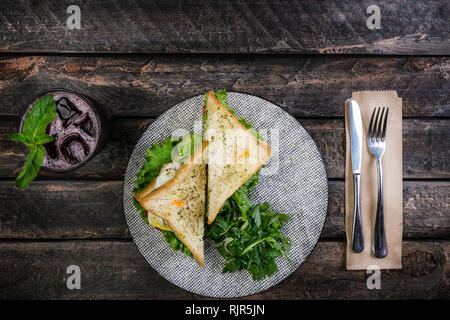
(234, 154)
(175, 200)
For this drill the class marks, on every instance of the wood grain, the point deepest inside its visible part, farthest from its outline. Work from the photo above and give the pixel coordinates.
(139, 58)
(93, 209)
(425, 149)
(425, 210)
(239, 26)
(113, 270)
(306, 87)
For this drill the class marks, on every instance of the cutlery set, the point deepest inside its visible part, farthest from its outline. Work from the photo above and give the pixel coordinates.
(376, 141)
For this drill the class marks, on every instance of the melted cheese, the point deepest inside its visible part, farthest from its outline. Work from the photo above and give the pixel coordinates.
(167, 172)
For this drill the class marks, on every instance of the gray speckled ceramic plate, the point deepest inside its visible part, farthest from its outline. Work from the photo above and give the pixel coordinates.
(294, 182)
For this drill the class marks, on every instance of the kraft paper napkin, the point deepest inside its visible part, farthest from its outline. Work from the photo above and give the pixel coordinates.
(392, 183)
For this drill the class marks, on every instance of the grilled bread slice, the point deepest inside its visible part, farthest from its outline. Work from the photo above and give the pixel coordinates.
(234, 154)
(181, 202)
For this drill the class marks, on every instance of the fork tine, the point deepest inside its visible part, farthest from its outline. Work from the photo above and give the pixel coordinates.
(369, 133)
(380, 122)
(383, 136)
(375, 124)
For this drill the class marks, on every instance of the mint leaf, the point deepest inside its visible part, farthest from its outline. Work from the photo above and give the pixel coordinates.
(43, 139)
(20, 137)
(41, 114)
(35, 158)
(33, 135)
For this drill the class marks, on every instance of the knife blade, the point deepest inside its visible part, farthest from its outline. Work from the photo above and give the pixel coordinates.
(356, 133)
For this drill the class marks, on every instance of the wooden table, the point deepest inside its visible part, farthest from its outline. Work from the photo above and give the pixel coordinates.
(138, 59)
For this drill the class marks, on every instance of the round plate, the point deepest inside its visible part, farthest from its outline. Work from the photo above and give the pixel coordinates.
(294, 182)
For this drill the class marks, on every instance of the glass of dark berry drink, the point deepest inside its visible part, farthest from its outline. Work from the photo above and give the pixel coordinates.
(79, 130)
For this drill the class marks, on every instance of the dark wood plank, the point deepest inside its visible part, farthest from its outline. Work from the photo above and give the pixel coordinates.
(113, 270)
(244, 26)
(425, 210)
(91, 209)
(63, 209)
(306, 87)
(425, 149)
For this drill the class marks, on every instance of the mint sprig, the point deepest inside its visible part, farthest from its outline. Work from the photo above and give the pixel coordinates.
(33, 135)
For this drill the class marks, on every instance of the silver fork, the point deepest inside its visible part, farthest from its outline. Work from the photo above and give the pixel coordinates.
(376, 140)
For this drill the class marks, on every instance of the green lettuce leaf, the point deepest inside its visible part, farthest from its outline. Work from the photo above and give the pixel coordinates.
(175, 243)
(186, 146)
(221, 95)
(157, 155)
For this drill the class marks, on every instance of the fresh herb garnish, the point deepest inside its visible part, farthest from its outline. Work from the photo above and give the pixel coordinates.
(249, 237)
(33, 135)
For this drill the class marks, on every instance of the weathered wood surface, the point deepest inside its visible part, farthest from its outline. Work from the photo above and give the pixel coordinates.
(240, 45)
(306, 87)
(426, 213)
(426, 145)
(116, 269)
(239, 26)
(94, 209)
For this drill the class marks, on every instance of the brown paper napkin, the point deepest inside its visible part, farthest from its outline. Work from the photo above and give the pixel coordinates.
(392, 183)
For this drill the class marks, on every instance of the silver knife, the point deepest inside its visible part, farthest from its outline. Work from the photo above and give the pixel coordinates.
(356, 133)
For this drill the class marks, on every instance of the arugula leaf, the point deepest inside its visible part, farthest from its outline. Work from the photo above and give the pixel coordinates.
(252, 182)
(241, 200)
(33, 135)
(250, 243)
